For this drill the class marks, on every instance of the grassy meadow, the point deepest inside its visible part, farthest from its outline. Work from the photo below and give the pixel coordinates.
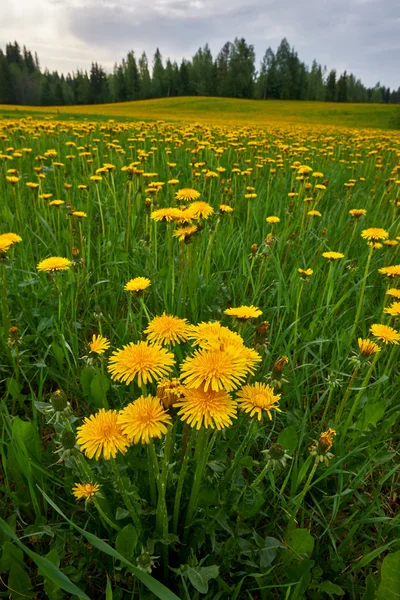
(199, 351)
(233, 111)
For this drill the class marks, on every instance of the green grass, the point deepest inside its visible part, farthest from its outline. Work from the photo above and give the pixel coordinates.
(255, 112)
(220, 522)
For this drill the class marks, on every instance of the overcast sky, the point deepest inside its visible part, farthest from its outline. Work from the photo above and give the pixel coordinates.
(361, 36)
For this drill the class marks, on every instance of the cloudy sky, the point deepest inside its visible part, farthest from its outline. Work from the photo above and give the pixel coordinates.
(362, 36)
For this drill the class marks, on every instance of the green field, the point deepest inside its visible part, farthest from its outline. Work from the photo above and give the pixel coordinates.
(249, 112)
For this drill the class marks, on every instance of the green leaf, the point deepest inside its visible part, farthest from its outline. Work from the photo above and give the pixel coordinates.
(301, 543)
(330, 588)
(86, 379)
(19, 583)
(109, 594)
(389, 587)
(98, 389)
(126, 541)
(288, 438)
(269, 552)
(200, 576)
(14, 388)
(152, 584)
(11, 556)
(374, 413)
(370, 588)
(45, 566)
(58, 354)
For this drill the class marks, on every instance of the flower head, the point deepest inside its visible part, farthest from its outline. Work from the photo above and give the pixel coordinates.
(211, 334)
(166, 214)
(332, 255)
(200, 210)
(167, 329)
(256, 398)
(209, 408)
(325, 441)
(85, 490)
(218, 368)
(101, 434)
(305, 272)
(187, 194)
(4, 245)
(138, 284)
(142, 361)
(79, 213)
(393, 310)
(392, 271)
(356, 213)
(144, 419)
(184, 233)
(99, 344)
(386, 334)
(169, 391)
(242, 313)
(11, 238)
(54, 263)
(367, 347)
(393, 292)
(374, 234)
(273, 219)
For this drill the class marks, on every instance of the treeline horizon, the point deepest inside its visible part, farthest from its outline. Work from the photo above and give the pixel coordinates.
(231, 74)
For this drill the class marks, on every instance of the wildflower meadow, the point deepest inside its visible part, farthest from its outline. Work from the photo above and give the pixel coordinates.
(199, 374)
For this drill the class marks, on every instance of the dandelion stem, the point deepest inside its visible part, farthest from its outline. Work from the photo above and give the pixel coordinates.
(201, 455)
(124, 493)
(181, 479)
(361, 298)
(261, 476)
(346, 395)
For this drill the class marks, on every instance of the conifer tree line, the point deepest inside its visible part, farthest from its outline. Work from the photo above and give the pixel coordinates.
(232, 73)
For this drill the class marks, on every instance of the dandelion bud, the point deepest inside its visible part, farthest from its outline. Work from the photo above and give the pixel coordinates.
(68, 440)
(75, 251)
(59, 401)
(279, 365)
(169, 391)
(325, 441)
(254, 248)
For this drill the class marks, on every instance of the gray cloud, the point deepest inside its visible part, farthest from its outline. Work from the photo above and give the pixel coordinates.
(360, 36)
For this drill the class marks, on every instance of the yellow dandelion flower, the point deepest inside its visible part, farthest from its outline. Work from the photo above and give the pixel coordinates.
(167, 329)
(54, 263)
(213, 334)
(166, 214)
(183, 233)
(256, 398)
(187, 194)
(4, 245)
(305, 272)
(99, 344)
(217, 368)
(209, 408)
(386, 334)
(56, 203)
(326, 439)
(367, 347)
(314, 213)
(391, 243)
(79, 213)
(333, 255)
(357, 212)
(12, 238)
(101, 434)
(144, 419)
(138, 284)
(169, 391)
(225, 208)
(393, 310)
(242, 313)
(143, 361)
(392, 271)
(32, 185)
(200, 210)
(85, 490)
(374, 234)
(273, 219)
(393, 292)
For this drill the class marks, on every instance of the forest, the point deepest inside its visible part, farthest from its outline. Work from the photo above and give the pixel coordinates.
(232, 73)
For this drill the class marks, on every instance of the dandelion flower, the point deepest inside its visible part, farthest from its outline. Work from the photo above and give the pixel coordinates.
(393, 310)
(56, 203)
(386, 334)
(85, 490)
(144, 419)
(138, 284)
(200, 210)
(99, 344)
(13, 238)
(142, 360)
(4, 245)
(255, 399)
(166, 214)
(54, 263)
(273, 219)
(79, 213)
(394, 292)
(374, 234)
(326, 439)
(213, 333)
(225, 208)
(167, 329)
(332, 255)
(305, 272)
(169, 391)
(392, 271)
(209, 408)
(187, 194)
(242, 313)
(356, 213)
(218, 368)
(367, 347)
(101, 434)
(314, 213)
(183, 233)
